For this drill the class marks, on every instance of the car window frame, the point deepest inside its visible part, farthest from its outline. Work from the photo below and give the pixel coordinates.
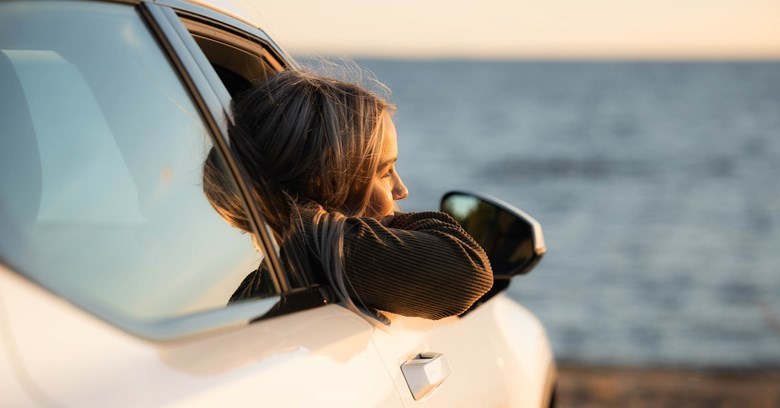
(215, 107)
(215, 101)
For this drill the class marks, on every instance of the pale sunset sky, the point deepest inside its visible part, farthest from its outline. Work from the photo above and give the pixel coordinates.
(689, 29)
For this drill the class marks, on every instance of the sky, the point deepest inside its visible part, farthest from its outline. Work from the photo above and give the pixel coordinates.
(666, 29)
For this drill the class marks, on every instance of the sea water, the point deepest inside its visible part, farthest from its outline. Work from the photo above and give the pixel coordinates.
(657, 185)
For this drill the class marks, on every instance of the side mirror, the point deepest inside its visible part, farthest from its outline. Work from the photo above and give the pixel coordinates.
(512, 239)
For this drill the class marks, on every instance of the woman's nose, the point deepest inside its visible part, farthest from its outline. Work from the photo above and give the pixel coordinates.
(399, 189)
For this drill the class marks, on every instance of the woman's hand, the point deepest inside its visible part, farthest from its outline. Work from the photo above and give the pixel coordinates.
(387, 220)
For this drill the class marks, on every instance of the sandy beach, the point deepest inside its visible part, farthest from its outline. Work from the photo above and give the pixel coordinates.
(594, 386)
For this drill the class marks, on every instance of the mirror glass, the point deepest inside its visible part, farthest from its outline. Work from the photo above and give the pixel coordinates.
(512, 239)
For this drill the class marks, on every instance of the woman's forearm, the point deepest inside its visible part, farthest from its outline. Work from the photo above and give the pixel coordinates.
(423, 265)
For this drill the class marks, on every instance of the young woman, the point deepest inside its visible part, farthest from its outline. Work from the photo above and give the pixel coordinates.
(321, 156)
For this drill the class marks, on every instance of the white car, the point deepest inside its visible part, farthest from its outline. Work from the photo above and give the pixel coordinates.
(115, 271)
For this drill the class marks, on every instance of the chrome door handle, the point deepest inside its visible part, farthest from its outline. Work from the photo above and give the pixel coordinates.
(425, 372)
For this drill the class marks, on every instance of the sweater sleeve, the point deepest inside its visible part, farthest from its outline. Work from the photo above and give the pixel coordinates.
(423, 265)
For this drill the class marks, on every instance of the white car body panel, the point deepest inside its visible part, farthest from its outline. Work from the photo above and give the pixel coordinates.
(70, 358)
(487, 370)
(331, 353)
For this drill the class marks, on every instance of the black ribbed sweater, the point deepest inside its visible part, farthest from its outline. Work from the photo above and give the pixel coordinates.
(424, 265)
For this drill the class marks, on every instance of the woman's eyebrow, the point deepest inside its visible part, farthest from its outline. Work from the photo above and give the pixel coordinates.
(388, 162)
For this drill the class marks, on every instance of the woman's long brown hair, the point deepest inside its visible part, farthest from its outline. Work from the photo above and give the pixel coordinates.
(305, 141)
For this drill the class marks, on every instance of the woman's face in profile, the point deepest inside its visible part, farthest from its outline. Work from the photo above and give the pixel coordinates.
(387, 186)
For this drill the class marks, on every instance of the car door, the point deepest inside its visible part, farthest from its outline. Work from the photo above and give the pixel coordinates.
(456, 355)
(496, 355)
(114, 269)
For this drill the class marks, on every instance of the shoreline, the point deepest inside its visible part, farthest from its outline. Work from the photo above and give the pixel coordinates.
(589, 386)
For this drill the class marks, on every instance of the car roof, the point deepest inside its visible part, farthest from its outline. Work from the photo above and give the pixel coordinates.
(242, 10)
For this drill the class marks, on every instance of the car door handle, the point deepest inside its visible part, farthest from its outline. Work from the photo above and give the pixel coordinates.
(425, 372)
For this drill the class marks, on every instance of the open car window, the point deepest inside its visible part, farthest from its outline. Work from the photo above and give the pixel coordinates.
(238, 61)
